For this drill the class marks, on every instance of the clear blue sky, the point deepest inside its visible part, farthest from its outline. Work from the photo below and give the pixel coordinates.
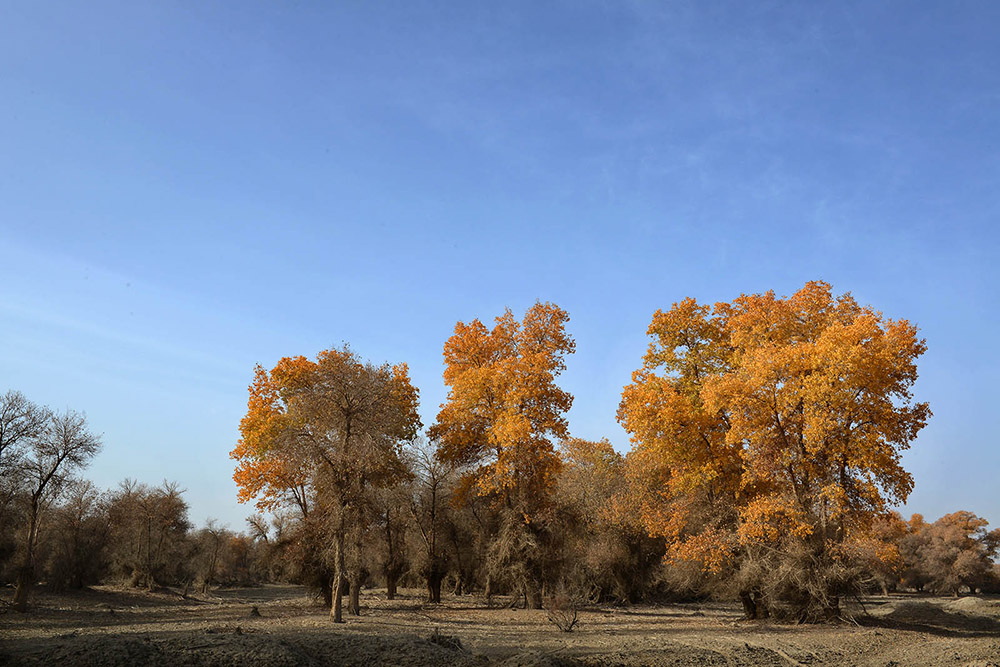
(189, 188)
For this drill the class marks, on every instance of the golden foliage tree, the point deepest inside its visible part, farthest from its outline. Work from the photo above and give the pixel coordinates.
(503, 412)
(504, 407)
(772, 426)
(317, 433)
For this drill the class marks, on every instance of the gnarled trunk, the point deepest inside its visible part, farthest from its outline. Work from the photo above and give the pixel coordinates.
(754, 606)
(751, 606)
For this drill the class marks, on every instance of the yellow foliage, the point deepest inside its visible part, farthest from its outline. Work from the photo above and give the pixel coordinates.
(503, 406)
(769, 417)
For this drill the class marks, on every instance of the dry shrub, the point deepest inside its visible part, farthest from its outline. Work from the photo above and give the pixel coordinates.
(519, 557)
(797, 582)
(562, 612)
(683, 581)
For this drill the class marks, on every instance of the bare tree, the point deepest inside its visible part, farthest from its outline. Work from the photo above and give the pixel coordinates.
(212, 538)
(149, 534)
(429, 506)
(75, 537)
(391, 520)
(259, 530)
(63, 447)
(21, 421)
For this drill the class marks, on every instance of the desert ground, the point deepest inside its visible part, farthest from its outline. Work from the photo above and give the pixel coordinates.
(114, 626)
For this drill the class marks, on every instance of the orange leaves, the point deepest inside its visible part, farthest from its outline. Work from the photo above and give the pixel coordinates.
(336, 420)
(263, 471)
(503, 405)
(769, 518)
(712, 548)
(404, 394)
(790, 412)
(293, 373)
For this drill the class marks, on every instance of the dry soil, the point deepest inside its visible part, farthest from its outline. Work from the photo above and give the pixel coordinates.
(113, 626)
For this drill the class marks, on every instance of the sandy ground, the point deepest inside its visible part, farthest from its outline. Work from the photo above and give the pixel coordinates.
(112, 626)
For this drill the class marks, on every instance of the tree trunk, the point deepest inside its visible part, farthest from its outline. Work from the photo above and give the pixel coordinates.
(391, 570)
(326, 588)
(337, 609)
(25, 577)
(355, 602)
(434, 586)
(356, 577)
(763, 611)
(749, 606)
(211, 568)
(832, 610)
(459, 581)
(337, 586)
(26, 573)
(390, 584)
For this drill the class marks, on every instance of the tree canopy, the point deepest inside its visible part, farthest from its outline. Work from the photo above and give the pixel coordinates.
(504, 407)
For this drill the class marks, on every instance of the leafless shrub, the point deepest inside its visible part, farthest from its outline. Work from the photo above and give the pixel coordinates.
(561, 611)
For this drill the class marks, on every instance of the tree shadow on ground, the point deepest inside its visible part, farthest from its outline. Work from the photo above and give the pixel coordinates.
(929, 618)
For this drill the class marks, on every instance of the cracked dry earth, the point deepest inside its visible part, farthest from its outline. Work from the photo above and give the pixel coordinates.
(111, 626)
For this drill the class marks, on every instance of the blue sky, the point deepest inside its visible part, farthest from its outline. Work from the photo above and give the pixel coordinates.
(187, 189)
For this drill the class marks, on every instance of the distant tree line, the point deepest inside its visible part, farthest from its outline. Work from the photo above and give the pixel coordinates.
(58, 529)
(766, 439)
